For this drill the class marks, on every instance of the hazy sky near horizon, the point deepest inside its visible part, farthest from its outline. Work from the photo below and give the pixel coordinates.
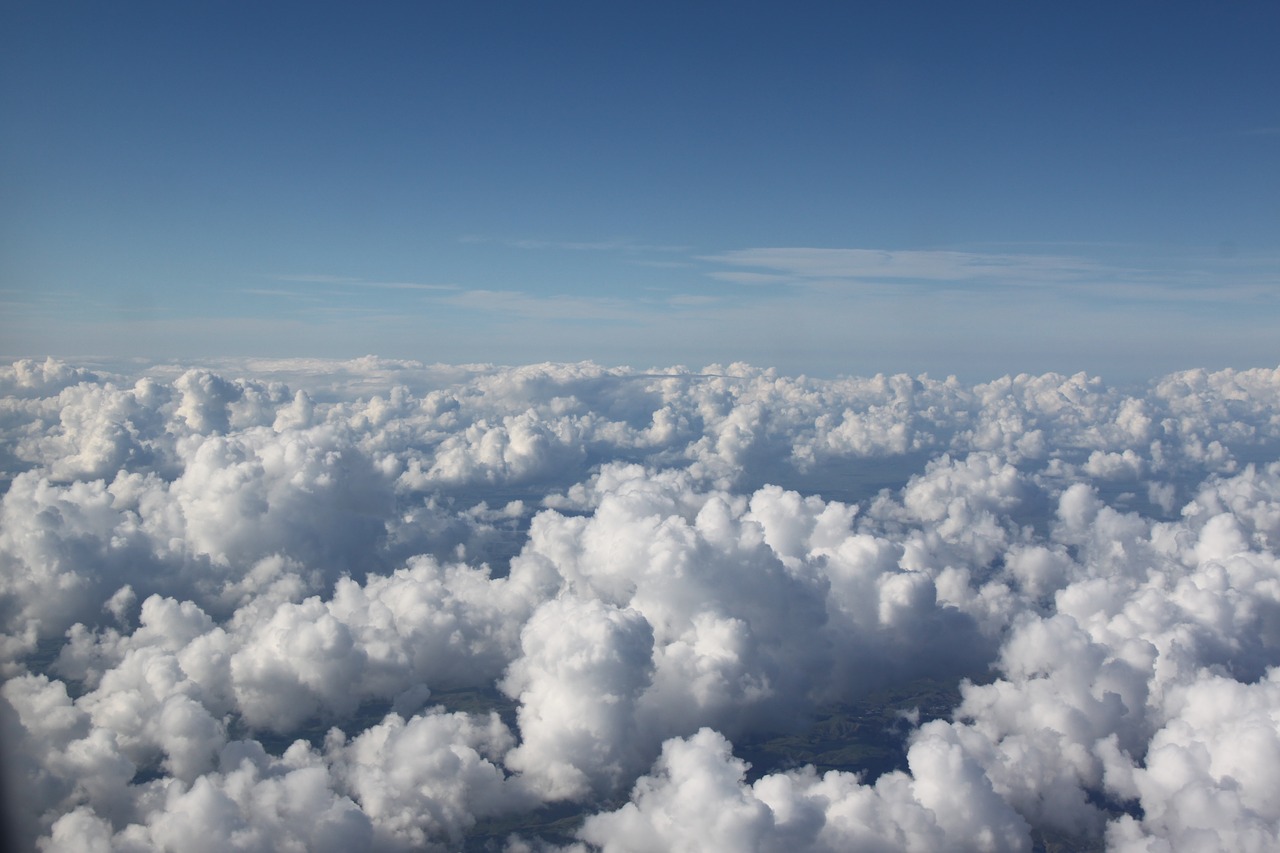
(826, 188)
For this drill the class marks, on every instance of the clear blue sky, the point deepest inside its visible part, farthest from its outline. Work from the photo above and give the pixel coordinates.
(969, 188)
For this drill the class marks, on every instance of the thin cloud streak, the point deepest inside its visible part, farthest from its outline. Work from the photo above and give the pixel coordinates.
(1227, 280)
(360, 282)
(621, 244)
(308, 278)
(876, 264)
(517, 303)
(407, 285)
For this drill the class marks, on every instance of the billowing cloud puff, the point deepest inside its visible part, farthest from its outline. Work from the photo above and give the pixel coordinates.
(1212, 771)
(582, 669)
(697, 799)
(384, 605)
(429, 778)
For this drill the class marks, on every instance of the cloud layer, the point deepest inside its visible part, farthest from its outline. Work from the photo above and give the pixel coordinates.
(383, 605)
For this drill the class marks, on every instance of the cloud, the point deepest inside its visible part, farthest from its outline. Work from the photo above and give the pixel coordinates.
(429, 778)
(380, 604)
(697, 799)
(1260, 131)
(314, 278)
(1207, 279)
(282, 293)
(338, 280)
(554, 308)
(799, 265)
(594, 246)
(407, 285)
(745, 277)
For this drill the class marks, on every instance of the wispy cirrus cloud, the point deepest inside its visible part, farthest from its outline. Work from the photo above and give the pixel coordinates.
(281, 293)
(805, 265)
(566, 308)
(348, 281)
(530, 306)
(594, 246)
(1150, 277)
(747, 277)
(408, 285)
(313, 278)
(1260, 131)
(692, 300)
(618, 244)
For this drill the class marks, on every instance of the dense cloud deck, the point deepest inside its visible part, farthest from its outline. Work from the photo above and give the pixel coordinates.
(377, 604)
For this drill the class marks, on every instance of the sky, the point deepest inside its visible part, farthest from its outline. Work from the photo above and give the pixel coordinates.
(826, 188)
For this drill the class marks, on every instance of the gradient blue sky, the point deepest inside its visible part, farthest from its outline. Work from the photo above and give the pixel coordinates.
(970, 188)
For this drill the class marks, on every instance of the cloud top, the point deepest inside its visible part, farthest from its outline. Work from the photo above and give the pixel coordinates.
(384, 605)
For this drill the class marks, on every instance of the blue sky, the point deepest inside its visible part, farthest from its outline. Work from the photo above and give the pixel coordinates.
(829, 188)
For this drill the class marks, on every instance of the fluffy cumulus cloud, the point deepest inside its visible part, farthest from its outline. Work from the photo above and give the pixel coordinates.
(381, 605)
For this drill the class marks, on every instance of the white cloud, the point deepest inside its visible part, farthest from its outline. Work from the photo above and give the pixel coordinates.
(697, 799)
(807, 264)
(1205, 280)
(375, 604)
(558, 307)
